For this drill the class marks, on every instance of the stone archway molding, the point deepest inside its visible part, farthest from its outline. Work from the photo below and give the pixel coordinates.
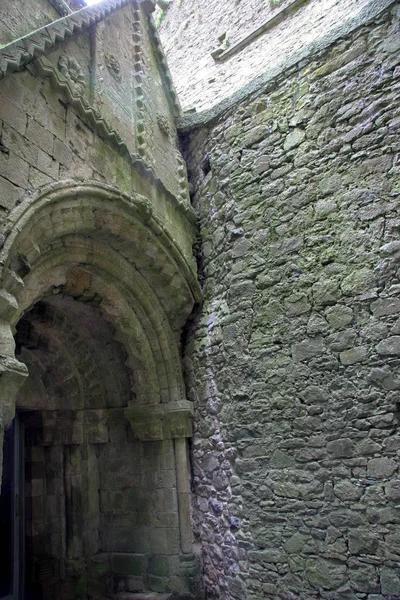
(130, 256)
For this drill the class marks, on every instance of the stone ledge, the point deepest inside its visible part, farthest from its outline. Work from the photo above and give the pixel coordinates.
(154, 422)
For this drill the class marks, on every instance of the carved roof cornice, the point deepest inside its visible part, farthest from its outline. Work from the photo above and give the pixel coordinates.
(39, 43)
(17, 54)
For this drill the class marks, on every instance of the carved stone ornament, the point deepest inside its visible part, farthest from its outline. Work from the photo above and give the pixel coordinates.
(113, 66)
(72, 72)
(163, 124)
(161, 421)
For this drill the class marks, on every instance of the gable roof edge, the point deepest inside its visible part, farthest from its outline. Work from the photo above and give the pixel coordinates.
(20, 52)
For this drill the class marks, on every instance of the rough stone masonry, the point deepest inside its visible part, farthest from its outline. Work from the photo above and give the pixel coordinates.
(293, 363)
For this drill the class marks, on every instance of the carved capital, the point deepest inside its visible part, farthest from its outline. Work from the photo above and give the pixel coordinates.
(152, 422)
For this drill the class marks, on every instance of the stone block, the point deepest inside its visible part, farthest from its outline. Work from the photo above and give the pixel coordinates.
(390, 346)
(159, 566)
(47, 164)
(364, 578)
(358, 281)
(20, 145)
(390, 581)
(55, 125)
(125, 539)
(281, 460)
(9, 194)
(14, 169)
(362, 541)
(38, 178)
(62, 153)
(381, 468)
(173, 540)
(12, 115)
(99, 566)
(385, 306)
(393, 490)
(308, 348)
(159, 541)
(40, 136)
(339, 316)
(293, 139)
(326, 574)
(325, 292)
(354, 355)
(295, 544)
(129, 564)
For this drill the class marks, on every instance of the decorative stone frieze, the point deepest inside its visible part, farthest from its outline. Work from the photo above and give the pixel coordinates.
(72, 72)
(163, 124)
(113, 66)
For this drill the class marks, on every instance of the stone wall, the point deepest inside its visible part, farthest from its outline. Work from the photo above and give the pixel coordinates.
(293, 362)
(19, 18)
(97, 277)
(95, 107)
(191, 30)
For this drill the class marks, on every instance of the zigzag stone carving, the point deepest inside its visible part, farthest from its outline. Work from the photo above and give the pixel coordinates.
(37, 44)
(103, 128)
(17, 54)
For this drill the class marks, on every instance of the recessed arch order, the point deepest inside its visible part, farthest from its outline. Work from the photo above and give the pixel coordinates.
(95, 244)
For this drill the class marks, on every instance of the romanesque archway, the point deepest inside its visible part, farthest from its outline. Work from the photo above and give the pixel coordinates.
(96, 292)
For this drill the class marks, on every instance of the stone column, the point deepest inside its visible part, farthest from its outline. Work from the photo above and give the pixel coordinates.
(12, 376)
(170, 421)
(182, 483)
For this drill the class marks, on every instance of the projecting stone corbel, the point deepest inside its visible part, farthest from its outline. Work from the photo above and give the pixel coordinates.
(153, 422)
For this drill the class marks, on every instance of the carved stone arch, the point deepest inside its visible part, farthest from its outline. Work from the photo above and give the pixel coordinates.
(139, 322)
(87, 251)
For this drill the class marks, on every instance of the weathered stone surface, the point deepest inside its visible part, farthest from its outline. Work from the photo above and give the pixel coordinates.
(292, 362)
(325, 574)
(381, 468)
(355, 355)
(390, 581)
(363, 542)
(389, 347)
(293, 139)
(306, 361)
(347, 491)
(340, 448)
(393, 491)
(387, 306)
(308, 349)
(96, 234)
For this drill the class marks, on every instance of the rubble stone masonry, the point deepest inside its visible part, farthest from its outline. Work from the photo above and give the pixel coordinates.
(293, 364)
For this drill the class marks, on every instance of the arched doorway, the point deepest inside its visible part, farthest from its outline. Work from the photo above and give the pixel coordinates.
(96, 294)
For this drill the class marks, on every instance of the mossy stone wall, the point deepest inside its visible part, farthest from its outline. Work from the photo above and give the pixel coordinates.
(293, 362)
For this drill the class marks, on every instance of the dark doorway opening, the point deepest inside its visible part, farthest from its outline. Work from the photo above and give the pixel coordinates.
(12, 536)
